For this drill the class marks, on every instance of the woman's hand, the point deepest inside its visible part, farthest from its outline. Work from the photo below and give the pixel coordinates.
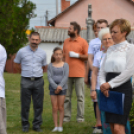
(106, 93)
(104, 87)
(93, 94)
(58, 89)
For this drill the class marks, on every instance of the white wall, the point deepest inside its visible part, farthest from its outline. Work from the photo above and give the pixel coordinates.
(48, 48)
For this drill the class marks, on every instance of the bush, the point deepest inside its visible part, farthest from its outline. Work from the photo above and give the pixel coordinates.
(131, 117)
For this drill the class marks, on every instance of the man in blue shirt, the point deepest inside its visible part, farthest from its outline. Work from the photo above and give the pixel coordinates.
(31, 60)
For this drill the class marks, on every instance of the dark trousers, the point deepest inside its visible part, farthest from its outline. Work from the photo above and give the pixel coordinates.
(34, 89)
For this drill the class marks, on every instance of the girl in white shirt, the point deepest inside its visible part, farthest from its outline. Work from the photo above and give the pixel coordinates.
(116, 71)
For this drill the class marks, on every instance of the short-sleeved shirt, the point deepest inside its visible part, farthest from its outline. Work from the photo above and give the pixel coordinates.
(76, 65)
(98, 59)
(31, 61)
(94, 46)
(3, 57)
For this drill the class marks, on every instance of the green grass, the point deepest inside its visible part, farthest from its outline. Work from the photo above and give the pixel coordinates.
(13, 110)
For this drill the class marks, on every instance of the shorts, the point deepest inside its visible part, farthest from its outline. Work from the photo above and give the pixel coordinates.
(62, 92)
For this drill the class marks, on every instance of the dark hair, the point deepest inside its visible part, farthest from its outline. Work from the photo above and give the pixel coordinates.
(102, 21)
(55, 49)
(34, 33)
(76, 26)
(94, 26)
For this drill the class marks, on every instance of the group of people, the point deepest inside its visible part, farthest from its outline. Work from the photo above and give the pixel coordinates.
(106, 64)
(111, 66)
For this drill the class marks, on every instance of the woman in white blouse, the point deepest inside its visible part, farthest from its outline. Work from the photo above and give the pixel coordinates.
(116, 71)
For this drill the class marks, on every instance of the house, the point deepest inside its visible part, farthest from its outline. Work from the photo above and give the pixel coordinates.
(104, 9)
(56, 34)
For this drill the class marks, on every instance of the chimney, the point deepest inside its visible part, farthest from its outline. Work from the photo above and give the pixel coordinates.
(64, 4)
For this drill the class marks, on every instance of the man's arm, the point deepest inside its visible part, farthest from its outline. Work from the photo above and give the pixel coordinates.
(2, 64)
(44, 63)
(3, 58)
(44, 68)
(17, 67)
(86, 74)
(17, 62)
(83, 57)
(90, 61)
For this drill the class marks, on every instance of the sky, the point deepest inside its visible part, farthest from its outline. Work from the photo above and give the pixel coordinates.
(41, 7)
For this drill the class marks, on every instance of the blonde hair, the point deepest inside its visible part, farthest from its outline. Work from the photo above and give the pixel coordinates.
(123, 24)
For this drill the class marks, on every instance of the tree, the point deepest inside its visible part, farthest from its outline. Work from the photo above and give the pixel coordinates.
(14, 21)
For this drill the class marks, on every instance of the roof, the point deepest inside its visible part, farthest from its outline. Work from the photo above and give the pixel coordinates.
(59, 34)
(52, 21)
(56, 34)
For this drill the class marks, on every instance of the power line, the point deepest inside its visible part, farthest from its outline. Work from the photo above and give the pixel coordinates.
(45, 4)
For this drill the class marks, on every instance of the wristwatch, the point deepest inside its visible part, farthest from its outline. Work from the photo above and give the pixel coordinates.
(93, 90)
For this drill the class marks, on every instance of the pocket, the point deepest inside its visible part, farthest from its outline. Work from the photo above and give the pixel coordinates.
(38, 59)
(42, 81)
(22, 80)
(3, 103)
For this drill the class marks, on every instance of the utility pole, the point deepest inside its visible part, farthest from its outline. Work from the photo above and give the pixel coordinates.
(46, 16)
(56, 7)
(89, 24)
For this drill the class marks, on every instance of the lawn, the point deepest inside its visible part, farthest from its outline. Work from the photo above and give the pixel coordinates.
(13, 110)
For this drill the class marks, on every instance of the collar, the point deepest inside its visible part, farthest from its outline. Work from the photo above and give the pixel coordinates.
(31, 49)
(122, 43)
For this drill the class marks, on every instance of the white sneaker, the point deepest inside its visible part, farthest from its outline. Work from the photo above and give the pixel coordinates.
(55, 129)
(97, 131)
(60, 129)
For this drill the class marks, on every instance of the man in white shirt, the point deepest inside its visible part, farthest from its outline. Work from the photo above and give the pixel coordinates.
(3, 57)
(95, 44)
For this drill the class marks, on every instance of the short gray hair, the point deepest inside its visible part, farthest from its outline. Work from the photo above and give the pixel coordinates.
(103, 32)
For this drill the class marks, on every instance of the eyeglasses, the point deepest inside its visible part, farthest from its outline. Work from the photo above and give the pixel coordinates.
(108, 39)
